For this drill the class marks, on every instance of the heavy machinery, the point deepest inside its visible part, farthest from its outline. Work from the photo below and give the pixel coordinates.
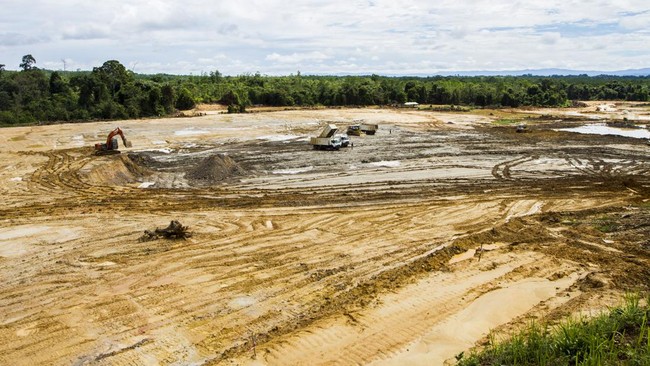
(358, 129)
(345, 140)
(368, 128)
(522, 128)
(111, 145)
(326, 140)
(354, 130)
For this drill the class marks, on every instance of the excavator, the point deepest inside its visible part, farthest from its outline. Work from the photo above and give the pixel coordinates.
(110, 147)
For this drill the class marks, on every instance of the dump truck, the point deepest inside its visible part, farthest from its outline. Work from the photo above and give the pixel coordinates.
(327, 139)
(368, 128)
(359, 129)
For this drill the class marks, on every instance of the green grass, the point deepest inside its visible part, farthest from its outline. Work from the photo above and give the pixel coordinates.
(506, 121)
(606, 225)
(618, 337)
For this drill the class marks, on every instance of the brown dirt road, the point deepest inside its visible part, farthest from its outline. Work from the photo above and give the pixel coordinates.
(359, 256)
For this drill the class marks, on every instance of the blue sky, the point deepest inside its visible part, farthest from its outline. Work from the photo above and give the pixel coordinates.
(327, 36)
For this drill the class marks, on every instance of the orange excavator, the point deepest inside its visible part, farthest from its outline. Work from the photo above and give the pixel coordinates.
(111, 146)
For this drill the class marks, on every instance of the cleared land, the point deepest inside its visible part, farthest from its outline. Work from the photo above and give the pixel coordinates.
(406, 249)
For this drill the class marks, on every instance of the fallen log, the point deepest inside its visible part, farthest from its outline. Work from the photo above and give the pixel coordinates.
(175, 230)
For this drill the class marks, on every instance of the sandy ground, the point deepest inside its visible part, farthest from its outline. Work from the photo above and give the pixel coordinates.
(407, 249)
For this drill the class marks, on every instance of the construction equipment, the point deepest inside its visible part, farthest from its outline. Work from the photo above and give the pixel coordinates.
(522, 128)
(354, 130)
(358, 129)
(368, 128)
(111, 145)
(345, 140)
(326, 140)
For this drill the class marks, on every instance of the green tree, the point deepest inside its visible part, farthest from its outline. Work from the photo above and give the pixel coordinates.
(167, 98)
(114, 75)
(57, 84)
(184, 100)
(215, 76)
(28, 62)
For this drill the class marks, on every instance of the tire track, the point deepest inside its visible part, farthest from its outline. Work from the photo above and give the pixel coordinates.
(501, 171)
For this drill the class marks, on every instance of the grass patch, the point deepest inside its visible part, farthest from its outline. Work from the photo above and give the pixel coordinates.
(618, 337)
(606, 225)
(505, 113)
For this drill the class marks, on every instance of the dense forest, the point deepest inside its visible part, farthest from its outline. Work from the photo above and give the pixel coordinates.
(110, 91)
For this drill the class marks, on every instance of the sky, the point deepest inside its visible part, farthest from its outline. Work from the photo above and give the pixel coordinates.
(336, 37)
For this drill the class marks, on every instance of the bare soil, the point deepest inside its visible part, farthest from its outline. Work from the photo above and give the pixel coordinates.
(407, 249)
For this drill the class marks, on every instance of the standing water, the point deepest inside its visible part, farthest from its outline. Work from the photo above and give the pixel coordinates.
(601, 129)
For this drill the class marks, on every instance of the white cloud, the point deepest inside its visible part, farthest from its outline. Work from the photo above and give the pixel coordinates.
(328, 36)
(85, 31)
(636, 22)
(551, 38)
(19, 39)
(297, 57)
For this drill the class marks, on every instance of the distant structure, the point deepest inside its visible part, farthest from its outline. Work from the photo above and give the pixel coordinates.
(410, 105)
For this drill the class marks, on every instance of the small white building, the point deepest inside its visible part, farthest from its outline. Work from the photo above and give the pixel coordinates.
(410, 105)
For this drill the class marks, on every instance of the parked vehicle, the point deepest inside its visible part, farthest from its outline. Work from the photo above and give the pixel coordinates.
(111, 146)
(354, 130)
(327, 139)
(345, 140)
(368, 128)
(359, 129)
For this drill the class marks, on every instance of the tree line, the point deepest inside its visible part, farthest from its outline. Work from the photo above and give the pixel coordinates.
(110, 91)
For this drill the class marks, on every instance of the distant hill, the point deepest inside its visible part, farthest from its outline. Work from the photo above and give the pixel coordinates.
(547, 72)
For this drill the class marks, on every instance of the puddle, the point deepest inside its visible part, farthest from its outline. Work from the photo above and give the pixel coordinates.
(146, 184)
(387, 164)
(600, 129)
(279, 138)
(165, 150)
(293, 171)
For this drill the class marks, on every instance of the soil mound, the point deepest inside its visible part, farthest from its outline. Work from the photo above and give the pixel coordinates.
(215, 168)
(114, 170)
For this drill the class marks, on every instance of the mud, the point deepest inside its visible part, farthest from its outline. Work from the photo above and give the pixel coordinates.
(407, 248)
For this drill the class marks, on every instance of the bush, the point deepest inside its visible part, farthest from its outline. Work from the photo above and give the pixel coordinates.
(621, 336)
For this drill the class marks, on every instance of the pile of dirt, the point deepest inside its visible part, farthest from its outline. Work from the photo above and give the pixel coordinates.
(114, 170)
(215, 168)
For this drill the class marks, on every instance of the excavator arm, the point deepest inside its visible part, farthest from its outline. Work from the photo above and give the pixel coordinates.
(109, 147)
(116, 132)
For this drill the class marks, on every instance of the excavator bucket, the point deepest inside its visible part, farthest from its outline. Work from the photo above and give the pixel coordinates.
(127, 143)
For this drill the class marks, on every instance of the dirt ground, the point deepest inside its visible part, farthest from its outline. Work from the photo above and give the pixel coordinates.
(408, 248)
